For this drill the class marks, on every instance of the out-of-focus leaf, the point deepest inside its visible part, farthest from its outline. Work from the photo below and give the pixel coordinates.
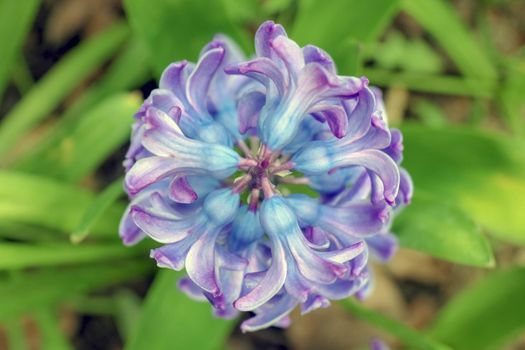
(482, 174)
(34, 200)
(443, 23)
(486, 315)
(89, 141)
(404, 333)
(47, 287)
(329, 23)
(127, 71)
(434, 227)
(51, 336)
(511, 97)
(441, 84)
(127, 313)
(170, 30)
(19, 255)
(16, 338)
(58, 83)
(397, 52)
(15, 20)
(430, 113)
(103, 201)
(183, 321)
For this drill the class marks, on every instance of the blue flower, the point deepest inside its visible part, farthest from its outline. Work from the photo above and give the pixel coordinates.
(213, 152)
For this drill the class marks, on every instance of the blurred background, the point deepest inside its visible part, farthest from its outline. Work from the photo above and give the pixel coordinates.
(73, 72)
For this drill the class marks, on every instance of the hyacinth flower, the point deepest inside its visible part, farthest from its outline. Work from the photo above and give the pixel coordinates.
(213, 153)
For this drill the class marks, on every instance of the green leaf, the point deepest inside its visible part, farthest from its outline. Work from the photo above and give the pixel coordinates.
(51, 336)
(511, 96)
(486, 315)
(129, 70)
(440, 18)
(20, 256)
(434, 227)
(16, 18)
(34, 200)
(170, 30)
(440, 84)
(88, 142)
(482, 174)
(16, 337)
(47, 287)
(329, 23)
(184, 322)
(401, 331)
(103, 201)
(47, 94)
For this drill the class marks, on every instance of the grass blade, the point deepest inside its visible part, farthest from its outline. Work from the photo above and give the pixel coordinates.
(16, 18)
(103, 201)
(441, 20)
(407, 335)
(47, 94)
(34, 200)
(20, 256)
(183, 320)
(18, 297)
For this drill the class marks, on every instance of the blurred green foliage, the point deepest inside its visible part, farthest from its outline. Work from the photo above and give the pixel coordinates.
(58, 239)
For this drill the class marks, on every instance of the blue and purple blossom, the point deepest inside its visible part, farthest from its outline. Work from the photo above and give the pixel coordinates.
(212, 153)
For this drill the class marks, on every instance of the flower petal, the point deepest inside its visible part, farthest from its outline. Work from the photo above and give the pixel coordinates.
(248, 110)
(270, 314)
(201, 77)
(200, 262)
(271, 283)
(180, 190)
(161, 229)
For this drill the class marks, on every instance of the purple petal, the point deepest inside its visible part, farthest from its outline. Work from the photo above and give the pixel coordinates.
(260, 69)
(355, 220)
(188, 287)
(379, 163)
(248, 110)
(314, 302)
(343, 255)
(172, 256)
(314, 54)
(174, 79)
(294, 284)
(201, 77)
(200, 262)
(129, 232)
(161, 229)
(180, 191)
(311, 265)
(147, 171)
(270, 314)
(264, 35)
(406, 187)
(271, 283)
(336, 118)
(360, 112)
(289, 52)
(395, 149)
(383, 246)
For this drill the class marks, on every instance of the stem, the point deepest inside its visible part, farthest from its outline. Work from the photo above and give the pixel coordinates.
(254, 199)
(245, 149)
(404, 333)
(282, 167)
(241, 183)
(267, 187)
(294, 180)
(246, 164)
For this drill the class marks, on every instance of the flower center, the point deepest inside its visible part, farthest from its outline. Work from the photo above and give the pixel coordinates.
(262, 172)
